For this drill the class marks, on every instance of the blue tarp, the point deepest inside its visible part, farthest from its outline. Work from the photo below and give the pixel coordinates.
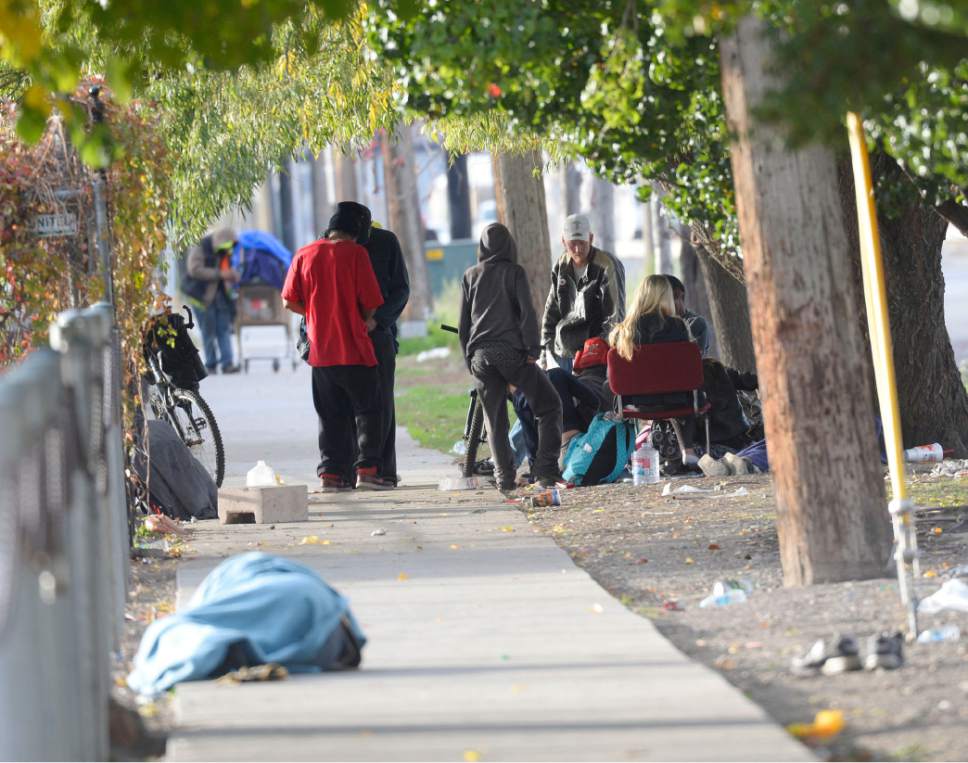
(261, 258)
(259, 607)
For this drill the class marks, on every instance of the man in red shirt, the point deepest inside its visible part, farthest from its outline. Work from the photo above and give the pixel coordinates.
(332, 283)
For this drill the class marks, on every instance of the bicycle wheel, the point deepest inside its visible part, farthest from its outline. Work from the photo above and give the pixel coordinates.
(474, 438)
(196, 426)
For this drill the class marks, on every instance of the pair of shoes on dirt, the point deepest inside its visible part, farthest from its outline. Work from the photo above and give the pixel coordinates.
(727, 466)
(841, 654)
(366, 479)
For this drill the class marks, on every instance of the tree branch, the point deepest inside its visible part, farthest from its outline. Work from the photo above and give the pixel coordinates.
(955, 213)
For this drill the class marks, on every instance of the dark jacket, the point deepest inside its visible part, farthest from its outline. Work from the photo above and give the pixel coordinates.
(495, 300)
(576, 311)
(201, 280)
(652, 328)
(391, 273)
(727, 422)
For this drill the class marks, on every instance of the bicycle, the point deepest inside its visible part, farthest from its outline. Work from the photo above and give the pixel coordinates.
(182, 407)
(474, 434)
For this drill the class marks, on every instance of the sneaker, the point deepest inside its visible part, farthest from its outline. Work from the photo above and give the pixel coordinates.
(333, 483)
(231, 369)
(713, 468)
(831, 657)
(550, 480)
(508, 490)
(738, 464)
(884, 652)
(367, 479)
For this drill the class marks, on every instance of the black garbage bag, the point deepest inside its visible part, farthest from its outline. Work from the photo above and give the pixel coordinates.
(180, 486)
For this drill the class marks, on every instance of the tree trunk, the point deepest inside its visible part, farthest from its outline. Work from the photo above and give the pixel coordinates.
(521, 207)
(697, 297)
(602, 213)
(403, 209)
(831, 510)
(571, 180)
(648, 239)
(322, 206)
(344, 175)
(730, 312)
(459, 198)
(931, 394)
(287, 222)
(660, 233)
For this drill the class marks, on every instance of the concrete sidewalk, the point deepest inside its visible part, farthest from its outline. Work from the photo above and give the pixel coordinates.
(485, 641)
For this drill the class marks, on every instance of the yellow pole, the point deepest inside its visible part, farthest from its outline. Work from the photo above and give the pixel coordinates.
(875, 294)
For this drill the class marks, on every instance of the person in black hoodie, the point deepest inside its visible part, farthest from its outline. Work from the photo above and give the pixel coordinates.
(499, 339)
(390, 269)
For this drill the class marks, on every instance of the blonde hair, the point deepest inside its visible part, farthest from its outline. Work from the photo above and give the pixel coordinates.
(654, 295)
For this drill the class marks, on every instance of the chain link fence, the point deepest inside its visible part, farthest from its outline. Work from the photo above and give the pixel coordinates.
(63, 542)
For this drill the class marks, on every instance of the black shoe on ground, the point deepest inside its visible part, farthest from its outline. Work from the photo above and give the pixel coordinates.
(550, 480)
(830, 657)
(212, 370)
(231, 369)
(884, 652)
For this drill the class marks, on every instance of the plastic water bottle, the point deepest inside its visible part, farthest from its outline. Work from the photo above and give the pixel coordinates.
(726, 592)
(944, 633)
(645, 465)
(261, 475)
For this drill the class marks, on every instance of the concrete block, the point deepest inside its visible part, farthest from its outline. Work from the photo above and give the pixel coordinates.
(263, 505)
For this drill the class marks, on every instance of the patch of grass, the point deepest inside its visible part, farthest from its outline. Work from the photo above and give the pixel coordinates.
(433, 414)
(436, 337)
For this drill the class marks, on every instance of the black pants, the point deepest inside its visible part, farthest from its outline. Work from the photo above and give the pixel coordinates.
(344, 396)
(386, 359)
(579, 403)
(494, 370)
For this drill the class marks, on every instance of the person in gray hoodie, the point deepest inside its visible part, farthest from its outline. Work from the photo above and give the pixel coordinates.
(500, 341)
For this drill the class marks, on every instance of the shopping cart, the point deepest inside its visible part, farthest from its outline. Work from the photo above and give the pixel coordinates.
(261, 305)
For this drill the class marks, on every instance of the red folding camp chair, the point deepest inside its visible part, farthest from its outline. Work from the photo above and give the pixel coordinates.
(657, 369)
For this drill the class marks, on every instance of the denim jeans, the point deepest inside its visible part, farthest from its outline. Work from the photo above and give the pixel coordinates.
(215, 323)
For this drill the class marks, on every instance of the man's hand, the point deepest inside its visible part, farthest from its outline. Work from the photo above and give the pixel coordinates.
(370, 325)
(532, 360)
(230, 276)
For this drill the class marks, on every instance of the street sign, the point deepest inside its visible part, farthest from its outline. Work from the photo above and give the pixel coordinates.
(59, 224)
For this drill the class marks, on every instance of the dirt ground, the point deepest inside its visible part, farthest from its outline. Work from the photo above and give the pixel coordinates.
(138, 730)
(649, 550)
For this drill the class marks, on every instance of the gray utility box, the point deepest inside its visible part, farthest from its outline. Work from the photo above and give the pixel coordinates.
(263, 505)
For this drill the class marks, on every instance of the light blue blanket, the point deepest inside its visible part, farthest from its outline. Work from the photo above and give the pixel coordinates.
(261, 607)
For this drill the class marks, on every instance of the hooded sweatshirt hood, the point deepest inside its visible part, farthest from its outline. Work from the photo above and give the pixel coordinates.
(497, 244)
(496, 304)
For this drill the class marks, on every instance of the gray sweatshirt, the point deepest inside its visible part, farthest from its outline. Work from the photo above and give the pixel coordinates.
(495, 300)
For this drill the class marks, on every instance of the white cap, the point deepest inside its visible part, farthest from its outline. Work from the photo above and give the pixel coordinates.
(577, 228)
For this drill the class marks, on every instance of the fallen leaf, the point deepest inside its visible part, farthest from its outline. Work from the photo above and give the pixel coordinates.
(937, 530)
(507, 529)
(671, 606)
(643, 560)
(471, 756)
(403, 576)
(713, 547)
(314, 540)
(690, 560)
(929, 574)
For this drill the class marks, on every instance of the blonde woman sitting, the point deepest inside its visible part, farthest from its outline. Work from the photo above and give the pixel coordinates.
(652, 319)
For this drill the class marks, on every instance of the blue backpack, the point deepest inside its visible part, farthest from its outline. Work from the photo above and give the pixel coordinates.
(599, 456)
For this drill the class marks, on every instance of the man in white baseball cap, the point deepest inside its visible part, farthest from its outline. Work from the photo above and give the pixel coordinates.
(587, 295)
